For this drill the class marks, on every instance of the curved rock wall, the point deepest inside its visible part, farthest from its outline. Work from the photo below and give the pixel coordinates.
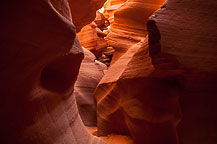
(129, 25)
(90, 38)
(40, 59)
(188, 31)
(90, 73)
(84, 11)
(174, 70)
(110, 7)
(138, 96)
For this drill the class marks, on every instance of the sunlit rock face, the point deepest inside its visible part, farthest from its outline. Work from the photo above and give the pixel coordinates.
(40, 59)
(188, 31)
(129, 25)
(110, 7)
(91, 72)
(139, 94)
(84, 11)
(91, 37)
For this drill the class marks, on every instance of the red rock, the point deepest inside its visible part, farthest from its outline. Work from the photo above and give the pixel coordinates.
(188, 32)
(40, 59)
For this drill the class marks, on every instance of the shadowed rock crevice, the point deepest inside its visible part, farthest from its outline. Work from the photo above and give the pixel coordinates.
(59, 75)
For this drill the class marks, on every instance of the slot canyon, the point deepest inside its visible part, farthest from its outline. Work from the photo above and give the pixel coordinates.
(108, 72)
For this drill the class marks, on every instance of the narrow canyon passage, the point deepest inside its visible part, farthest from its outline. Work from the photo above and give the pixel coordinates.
(108, 71)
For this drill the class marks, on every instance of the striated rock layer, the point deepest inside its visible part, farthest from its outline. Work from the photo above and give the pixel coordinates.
(188, 31)
(91, 37)
(90, 73)
(129, 25)
(110, 7)
(40, 59)
(139, 94)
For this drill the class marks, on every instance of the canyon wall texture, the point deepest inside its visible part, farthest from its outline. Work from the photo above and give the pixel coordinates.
(83, 12)
(129, 25)
(40, 59)
(90, 73)
(173, 70)
(92, 38)
(138, 96)
(188, 31)
(110, 7)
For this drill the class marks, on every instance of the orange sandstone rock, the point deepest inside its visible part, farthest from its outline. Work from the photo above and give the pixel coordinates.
(110, 7)
(188, 41)
(139, 94)
(129, 25)
(89, 39)
(88, 36)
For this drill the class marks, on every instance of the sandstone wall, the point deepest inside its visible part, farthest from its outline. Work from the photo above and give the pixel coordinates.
(90, 73)
(40, 59)
(151, 82)
(129, 25)
(188, 31)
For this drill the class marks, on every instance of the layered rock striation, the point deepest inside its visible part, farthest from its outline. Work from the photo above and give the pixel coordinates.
(144, 90)
(129, 26)
(110, 7)
(139, 94)
(92, 38)
(188, 32)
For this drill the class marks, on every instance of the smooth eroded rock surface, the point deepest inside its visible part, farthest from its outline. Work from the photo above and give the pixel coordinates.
(84, 11)
(110, 7)
(188, 31)
(179, 71)
(91, 72)
(40, 59)
(139, 96)
(129, 25)
(92, 38)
